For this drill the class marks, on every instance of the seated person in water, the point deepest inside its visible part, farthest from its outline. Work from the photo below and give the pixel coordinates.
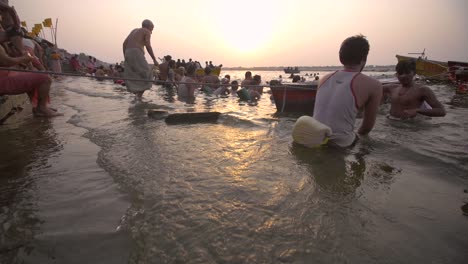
(100, 73)
(407, 99)
(296, 78)
(257, 90)
(210, 82)
(234, 87)
(187, 85)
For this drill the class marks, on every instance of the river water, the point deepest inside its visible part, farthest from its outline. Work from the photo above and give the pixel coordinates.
(107, 184)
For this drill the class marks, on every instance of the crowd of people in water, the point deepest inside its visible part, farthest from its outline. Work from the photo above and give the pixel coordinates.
(360, 93)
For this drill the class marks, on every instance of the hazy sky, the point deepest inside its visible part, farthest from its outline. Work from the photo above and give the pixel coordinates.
(258, 32)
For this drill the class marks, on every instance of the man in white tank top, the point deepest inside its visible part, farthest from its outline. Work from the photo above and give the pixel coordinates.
(342, 94)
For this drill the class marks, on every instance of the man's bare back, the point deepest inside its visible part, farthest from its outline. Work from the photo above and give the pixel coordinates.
(211, 81)
(137, 39)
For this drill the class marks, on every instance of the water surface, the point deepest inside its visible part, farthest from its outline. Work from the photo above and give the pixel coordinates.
(107, 184)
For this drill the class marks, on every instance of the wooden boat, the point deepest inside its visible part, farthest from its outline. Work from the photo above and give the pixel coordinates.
(430, 69)
(294, 97)
(458, 71)
(214, 71)
(292, 70)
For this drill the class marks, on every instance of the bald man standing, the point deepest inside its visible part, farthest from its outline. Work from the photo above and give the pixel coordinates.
(136, 66)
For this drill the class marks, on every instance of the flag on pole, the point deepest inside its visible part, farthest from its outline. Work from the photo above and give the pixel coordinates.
(47, 22)
(23, 24)
(35, 31)
(38, 26)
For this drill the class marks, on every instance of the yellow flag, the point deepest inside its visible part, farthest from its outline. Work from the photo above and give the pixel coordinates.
(23, 24)
(47, 22)
(38, 26)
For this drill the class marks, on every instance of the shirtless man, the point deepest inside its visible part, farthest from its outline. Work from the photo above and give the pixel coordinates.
(164, 68)
(248, 79)
(407, 98)
(210, 82)
(136, 66)
(343, 93)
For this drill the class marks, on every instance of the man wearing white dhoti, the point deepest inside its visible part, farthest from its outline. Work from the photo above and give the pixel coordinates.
(136, 66)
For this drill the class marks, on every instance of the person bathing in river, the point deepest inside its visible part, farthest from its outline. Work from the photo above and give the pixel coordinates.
(340, 96)
(408, 99)
(210, 82)
(136, 66)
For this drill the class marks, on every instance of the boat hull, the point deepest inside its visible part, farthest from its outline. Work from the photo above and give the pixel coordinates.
(295, 98)
(291, 71)
(430, 69)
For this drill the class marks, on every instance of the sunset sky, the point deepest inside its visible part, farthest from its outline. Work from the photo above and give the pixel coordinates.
(258, 32)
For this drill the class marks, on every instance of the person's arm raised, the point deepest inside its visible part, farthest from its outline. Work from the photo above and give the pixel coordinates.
(371, 108)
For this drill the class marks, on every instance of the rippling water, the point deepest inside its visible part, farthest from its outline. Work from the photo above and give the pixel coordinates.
(107, 184)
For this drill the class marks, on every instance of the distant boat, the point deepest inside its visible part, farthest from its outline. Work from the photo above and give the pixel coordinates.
(294, 97)
(430, 69)
(291, 70)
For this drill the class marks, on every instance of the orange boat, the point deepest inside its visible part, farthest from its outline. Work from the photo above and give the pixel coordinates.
(430, 69)
(294, 97)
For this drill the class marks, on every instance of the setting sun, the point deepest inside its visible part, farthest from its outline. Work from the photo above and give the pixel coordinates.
(248, 27)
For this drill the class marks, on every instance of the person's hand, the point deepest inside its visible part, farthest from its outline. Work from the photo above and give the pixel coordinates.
(27, 58)
(409, 113)
(155, 63)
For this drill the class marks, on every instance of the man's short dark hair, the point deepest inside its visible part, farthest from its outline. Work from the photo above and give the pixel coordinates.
(353, 50)
(405, 66)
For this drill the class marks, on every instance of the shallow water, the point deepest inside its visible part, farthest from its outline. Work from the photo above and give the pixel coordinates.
(107, 184)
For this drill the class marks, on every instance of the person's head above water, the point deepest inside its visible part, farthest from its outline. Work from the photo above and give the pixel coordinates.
(406, 66)
(354, 50)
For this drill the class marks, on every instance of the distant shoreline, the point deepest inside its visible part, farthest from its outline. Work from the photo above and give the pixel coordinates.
(378, 68)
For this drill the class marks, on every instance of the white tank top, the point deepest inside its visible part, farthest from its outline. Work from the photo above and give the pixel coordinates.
(335, 106)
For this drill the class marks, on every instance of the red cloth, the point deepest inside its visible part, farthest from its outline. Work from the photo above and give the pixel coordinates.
(13, 83)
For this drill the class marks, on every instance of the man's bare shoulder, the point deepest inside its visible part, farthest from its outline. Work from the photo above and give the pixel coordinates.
(423, 89)
(367, 80)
